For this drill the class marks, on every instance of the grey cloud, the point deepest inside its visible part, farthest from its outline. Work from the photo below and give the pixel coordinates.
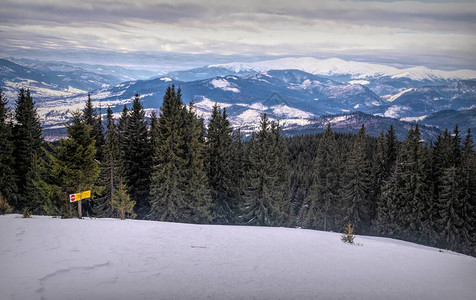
(236, 29)
(97, 11)
(419, 16)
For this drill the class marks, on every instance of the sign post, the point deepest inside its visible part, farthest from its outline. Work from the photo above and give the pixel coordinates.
(77, 198)
(80, 209)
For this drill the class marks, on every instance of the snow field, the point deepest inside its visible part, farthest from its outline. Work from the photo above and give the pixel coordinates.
(51, 258)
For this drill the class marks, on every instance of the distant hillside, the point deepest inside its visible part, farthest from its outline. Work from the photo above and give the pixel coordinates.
(351, 123)
(448, 118)
(122, 74)
(50, 80)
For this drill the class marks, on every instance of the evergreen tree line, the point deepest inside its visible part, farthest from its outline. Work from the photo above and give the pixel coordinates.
(174, 168)
(410, 190)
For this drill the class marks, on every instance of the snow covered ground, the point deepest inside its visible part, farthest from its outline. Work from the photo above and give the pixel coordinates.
(50, 258)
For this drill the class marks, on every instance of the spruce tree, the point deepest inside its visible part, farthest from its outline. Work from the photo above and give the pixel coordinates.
(467, 195)
(455, 191)
(408, 194)
(219, 166)
(391, 152)
(384, 168)
(121, 201)
(280, 166)
(323, 198)
(388, 208)
(456, 148)
(239, 167)
(356, 192)
(28, 145)
(75, 166)
(154, 129)
(168, 178)
(179, 189)
(7, 174)
(94, 120)
(197, 189)
(378, 180)
(45, 184)
(36, 187)
(267, 180)
(450, 209)
(110, 171)
(122, 132)
(137, 157)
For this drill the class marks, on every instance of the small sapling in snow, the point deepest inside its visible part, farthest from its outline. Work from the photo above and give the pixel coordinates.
(348, 236)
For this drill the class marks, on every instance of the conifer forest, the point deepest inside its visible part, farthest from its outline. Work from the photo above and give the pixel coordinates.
(177, 167)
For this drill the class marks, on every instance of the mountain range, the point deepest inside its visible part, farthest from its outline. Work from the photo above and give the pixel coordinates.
(299, 92)
(51, 80)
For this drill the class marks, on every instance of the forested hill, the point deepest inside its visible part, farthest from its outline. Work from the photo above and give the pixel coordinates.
(174, 168)
(352, 122)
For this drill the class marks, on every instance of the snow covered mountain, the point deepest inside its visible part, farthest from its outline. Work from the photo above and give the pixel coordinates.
(54, 258)
(291, 96)
(292, 90)
(332, 67)
(423, 101)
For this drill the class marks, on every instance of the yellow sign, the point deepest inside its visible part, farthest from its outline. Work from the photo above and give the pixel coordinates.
(79, 196)
(85, 194)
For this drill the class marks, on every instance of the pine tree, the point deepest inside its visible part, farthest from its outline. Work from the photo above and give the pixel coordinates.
(94, 120)
(384, 167)
(89, 113)
(391, 151)
(28, 144)
(378, 180)
(449, 209)
(387, 213)
(154, 129)
(168, 178)
(7, 174)
(267, 179)
(323, 198)
(239, 167)
(75, 167)
(179, 187)
(408, 192)
(137, 157)
(110, 171)
(44, 183)
(122, 132)
(456, 148)
(219, 166)
(467, 195)
(302, 157)
(356, 191)
(442, 161)
(198, 192)
(37, 187)
(281, 194)
(122, 202)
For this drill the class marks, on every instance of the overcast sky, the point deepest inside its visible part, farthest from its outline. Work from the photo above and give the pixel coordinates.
(166, 35)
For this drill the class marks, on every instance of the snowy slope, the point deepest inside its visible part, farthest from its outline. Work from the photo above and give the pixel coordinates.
(47, 258)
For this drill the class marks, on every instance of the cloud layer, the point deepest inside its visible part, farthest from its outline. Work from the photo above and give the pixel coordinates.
(433, 33)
